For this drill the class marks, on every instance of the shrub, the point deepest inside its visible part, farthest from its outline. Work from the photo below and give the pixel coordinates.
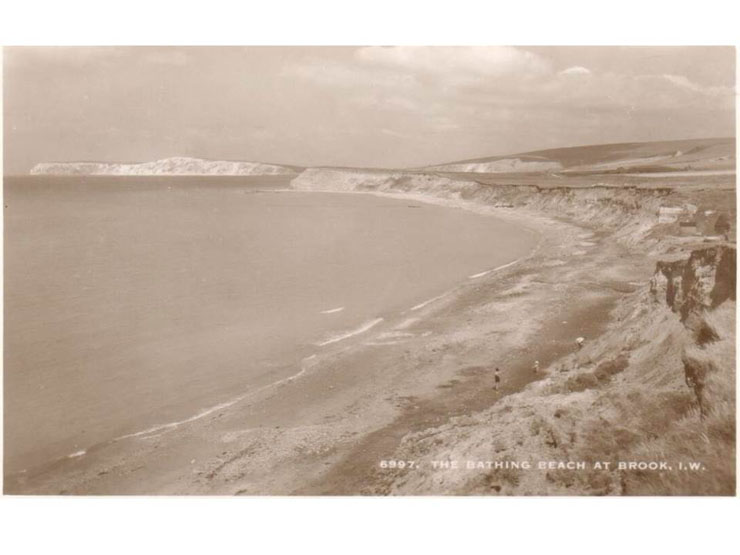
(609, 368)
(581, 382)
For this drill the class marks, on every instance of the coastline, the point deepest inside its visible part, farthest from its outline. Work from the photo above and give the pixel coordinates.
(93, 455)
(384, 270)
(363, 401)
(286, 437)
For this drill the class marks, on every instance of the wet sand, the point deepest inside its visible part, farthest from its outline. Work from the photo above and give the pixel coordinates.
(326, 431)
(136, 306)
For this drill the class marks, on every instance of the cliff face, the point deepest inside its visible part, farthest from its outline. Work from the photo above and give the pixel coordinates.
(628, 212)
(167, 166)
(657, 385)
(651, 388)
(705, 280)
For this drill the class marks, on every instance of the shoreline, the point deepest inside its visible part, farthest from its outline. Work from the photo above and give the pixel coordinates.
(420, 369)
(92, 473)
(340, 337)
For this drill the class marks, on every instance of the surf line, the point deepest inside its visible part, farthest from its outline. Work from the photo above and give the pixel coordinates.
(332, 310)
(481, 274)
(422, 305)
(474, 276)
(153, 431)
(362, 329)
(306, 363)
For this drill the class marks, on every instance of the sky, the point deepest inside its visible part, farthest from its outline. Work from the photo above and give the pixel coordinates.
(398, 106)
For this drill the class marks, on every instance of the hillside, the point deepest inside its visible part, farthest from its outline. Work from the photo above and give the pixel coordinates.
(166, 166)
(642, 268)
(655, 384)
(683, 155)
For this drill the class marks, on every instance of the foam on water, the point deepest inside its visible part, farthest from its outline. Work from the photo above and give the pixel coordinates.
(216, 336)
(346, 335)
(306, 363)
(333, 310)
(481, 274)
(425, 303)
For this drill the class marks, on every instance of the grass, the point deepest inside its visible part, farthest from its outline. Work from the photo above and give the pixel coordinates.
(593, 379)
(692, 424)
(706, 431)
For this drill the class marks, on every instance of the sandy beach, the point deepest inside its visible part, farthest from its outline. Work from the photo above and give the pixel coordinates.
(326, 428)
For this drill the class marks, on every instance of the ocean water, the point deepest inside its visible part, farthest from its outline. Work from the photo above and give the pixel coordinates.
(135, 302)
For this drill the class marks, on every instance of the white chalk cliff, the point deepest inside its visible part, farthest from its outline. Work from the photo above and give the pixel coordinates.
(167, 166)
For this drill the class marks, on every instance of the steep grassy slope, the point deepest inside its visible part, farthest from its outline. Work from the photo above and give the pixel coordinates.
(656, 387)
(669, 155)
(630, 213)
(650, 390)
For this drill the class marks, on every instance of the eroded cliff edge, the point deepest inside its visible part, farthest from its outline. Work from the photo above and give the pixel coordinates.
(658, 385)
(632, 215)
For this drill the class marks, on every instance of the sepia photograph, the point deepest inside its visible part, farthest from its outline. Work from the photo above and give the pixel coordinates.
(369, 270)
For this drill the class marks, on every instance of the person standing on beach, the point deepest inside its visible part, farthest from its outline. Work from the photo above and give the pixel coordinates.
(536, 367)
(496, 380)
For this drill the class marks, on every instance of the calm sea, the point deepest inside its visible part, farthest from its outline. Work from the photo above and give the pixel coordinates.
(131, 302)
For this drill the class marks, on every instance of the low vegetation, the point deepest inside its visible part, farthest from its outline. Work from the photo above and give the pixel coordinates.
(693, 424)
